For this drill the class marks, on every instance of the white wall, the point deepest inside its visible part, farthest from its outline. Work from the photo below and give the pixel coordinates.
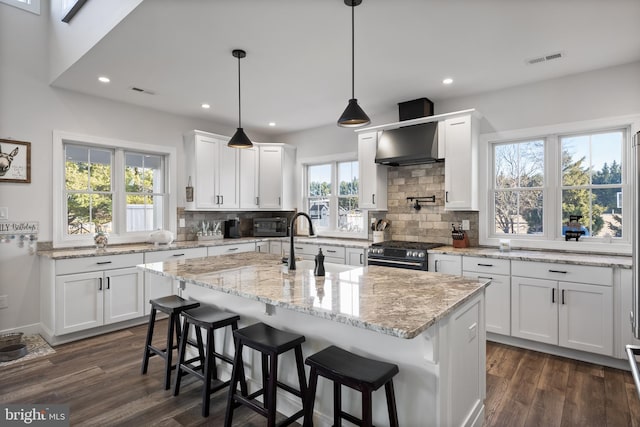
(69, 41)
(29, 111)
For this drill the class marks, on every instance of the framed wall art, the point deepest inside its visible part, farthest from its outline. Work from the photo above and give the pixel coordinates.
(15, 161)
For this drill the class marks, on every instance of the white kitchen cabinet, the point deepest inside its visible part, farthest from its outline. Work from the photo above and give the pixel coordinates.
(214, 171)
(497, 294)
(355, 256)
(445, 263)
(231, 249)
(262, 247)
(566, 305)
(156, 286)
(249, 178)
(308, 251)
(373, 177)
(624, 304)
(460, 137)
(96, 298)
(279, 247)
(276, 180)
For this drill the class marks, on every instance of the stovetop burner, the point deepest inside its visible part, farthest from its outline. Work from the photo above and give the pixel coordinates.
(407, 245)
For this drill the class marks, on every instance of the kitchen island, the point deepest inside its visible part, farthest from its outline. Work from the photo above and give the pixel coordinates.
(430, 324)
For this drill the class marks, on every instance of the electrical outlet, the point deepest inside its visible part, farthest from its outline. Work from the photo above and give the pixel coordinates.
(182, 222)
(465, 224)
(4, 213)
(4, 301)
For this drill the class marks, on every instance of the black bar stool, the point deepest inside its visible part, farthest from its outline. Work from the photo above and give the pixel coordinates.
(209, 319)
(357, 372)
(271, 342)
(172, 305)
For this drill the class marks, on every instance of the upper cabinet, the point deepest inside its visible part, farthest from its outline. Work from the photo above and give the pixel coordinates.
(213, 168)
(249, 178)
(223, 178)
(372, 182)
(459, 138)
(276, 163)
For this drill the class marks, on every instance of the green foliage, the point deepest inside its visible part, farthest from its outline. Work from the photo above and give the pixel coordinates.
(319, 189)
(86, 207)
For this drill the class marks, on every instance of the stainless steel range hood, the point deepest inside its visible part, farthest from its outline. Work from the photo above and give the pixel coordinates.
(410, 145)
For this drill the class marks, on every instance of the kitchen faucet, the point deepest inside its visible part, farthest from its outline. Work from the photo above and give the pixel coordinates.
(292, 255)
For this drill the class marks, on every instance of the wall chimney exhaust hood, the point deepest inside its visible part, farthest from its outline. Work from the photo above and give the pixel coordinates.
(410, 145)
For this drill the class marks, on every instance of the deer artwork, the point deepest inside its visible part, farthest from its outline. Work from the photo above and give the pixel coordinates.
(6, 159)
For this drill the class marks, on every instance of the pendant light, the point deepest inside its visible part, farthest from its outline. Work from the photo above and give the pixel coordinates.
(353, 116)
(239, 139)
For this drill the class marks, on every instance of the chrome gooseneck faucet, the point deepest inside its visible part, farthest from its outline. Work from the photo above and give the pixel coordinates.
(292, 255)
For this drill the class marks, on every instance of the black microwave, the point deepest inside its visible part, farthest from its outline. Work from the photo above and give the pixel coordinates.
(270, 227)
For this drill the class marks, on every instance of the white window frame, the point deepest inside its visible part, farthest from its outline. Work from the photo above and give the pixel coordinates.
(32, 6)
(331, 231)
(551, 237)
(119, 234)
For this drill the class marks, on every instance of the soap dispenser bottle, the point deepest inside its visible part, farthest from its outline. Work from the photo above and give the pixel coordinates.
(319, 269)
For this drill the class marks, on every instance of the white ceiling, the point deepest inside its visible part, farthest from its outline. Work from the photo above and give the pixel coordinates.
(297, 72)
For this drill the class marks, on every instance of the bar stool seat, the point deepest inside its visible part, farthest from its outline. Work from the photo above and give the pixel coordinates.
(270, 342)
(210, 319)
(357, 372)
(171, 305)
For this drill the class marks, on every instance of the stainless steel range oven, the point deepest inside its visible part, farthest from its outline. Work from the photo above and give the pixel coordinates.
(400, 254)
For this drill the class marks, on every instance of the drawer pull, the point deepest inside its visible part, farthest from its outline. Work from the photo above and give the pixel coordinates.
(331, 251)
(178, 254)
(557, 271)
(232, 249)
(485, 265)
(103, 262)
(553, 295)
(298, 248)
(485, 277)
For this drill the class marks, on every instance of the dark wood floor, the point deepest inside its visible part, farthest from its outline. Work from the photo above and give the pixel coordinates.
(100, 379)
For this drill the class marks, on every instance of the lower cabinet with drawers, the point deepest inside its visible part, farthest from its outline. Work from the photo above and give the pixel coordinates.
(497, 294)
(562, 304)
(159, 286)
(90, 292)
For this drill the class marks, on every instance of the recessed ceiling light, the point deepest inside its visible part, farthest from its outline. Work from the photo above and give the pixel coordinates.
(104, 79)
(447, 81)
(205, 106)
(272, 124)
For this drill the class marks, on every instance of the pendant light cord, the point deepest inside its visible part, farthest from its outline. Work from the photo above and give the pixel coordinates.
(239, 97)
(353, 50)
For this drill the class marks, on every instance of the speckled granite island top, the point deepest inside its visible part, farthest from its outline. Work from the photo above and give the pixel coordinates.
(597, 260)
(393, 301)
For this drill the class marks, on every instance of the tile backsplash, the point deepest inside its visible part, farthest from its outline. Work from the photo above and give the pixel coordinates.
(193, 219)
(431, 223)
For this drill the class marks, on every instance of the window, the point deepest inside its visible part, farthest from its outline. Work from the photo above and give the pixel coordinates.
(592, 182)
(88, 189)
(331, 197)
(518, 187)
(565, 179)
(104, 187)
(29, 5)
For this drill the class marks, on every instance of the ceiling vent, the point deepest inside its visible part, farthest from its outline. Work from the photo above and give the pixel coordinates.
(140, 90)
(545, 58)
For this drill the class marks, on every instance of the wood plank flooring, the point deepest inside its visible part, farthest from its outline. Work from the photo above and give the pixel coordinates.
(100, 379)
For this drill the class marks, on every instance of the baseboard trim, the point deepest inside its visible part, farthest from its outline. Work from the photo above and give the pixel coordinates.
(583, 356)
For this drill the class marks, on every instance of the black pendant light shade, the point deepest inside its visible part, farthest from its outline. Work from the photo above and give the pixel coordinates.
(239, 139)
(353, 116)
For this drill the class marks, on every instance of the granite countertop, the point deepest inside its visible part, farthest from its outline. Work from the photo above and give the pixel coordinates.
(558, 257)
(398, 302)
(67, 253)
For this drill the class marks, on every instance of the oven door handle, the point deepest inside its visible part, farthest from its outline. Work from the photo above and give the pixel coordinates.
(390, 261)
